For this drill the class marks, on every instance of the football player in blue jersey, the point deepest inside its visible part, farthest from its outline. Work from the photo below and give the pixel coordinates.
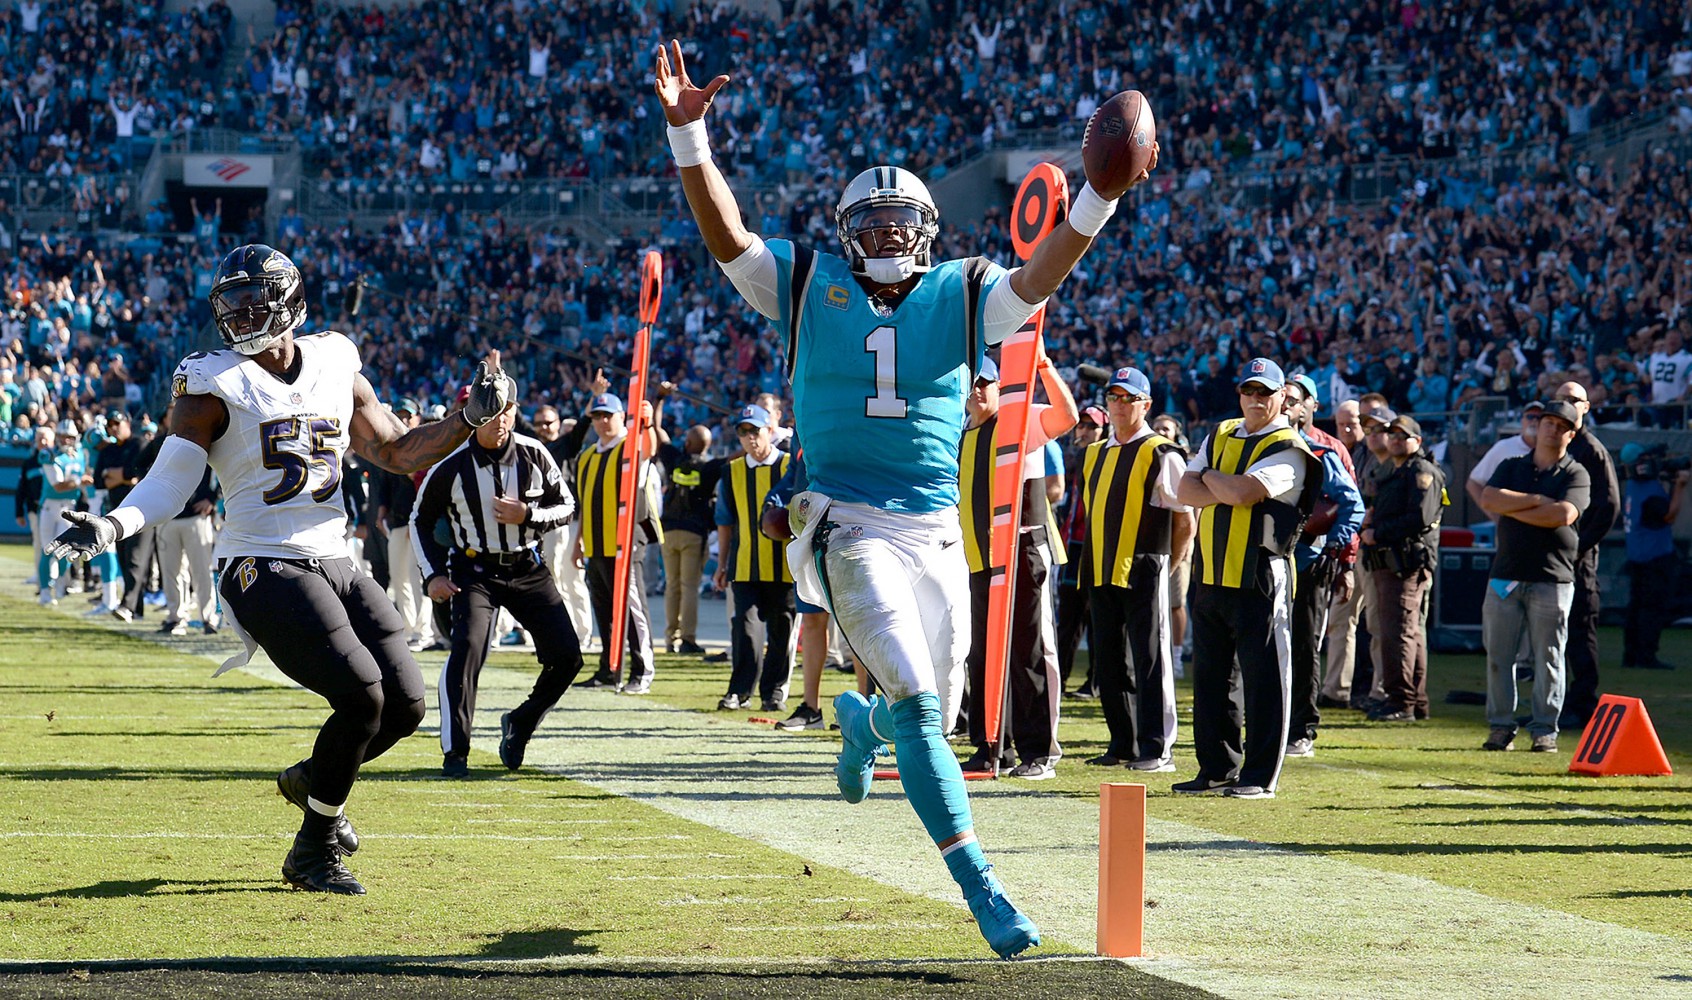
(882, 345)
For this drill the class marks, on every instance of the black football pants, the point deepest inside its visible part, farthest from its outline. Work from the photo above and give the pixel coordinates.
(333, 630)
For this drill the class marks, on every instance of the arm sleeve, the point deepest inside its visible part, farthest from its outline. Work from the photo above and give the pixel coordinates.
(754, 275)
(1580, 491)
(1600, 515)
(163, 492)
(1003, 311)
(1342, 490)
(1167, 481)
(432, 498)
(724, 513)
(556, 502)
(1278, 473)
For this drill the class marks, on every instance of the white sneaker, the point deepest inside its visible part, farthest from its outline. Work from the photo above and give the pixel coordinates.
(1303, 747)
(1153, 765)
(123, 614)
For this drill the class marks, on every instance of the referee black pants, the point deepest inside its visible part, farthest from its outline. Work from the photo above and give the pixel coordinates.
(329, 628)
(637, 662)
(1032, 686)
(1242, 671)
(774, 604)
(1133, 660)
(527, 591)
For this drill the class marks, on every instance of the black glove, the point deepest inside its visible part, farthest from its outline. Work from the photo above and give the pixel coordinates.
(490, 393)
(88, 536)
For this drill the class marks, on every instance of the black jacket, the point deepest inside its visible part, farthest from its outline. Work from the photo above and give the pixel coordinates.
(1605, 503)
(1408, 507)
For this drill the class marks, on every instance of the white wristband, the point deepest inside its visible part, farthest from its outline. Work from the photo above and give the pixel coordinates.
(1089, 212)
(688, 143)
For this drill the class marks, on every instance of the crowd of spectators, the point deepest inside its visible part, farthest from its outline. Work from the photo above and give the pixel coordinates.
(1453, 289)
(559, 88)
(84, 87)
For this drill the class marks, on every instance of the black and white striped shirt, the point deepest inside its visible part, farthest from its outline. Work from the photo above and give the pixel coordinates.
(462, 488)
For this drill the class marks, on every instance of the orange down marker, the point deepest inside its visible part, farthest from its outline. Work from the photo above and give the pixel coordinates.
(1619, 739)
(1122, 870)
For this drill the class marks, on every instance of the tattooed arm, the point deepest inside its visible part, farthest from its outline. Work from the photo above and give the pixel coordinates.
(380, 436)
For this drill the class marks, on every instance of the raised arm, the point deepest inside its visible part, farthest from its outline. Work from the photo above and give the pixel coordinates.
(1057, 254)
(708, 194)
(380, 436)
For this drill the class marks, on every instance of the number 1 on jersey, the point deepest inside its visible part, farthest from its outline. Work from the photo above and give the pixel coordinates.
(886, 402)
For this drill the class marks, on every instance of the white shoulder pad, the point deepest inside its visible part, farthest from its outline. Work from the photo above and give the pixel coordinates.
(198, 372)
(341, 348)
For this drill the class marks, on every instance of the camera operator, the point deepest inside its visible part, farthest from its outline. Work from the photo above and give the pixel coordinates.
(1650, 507)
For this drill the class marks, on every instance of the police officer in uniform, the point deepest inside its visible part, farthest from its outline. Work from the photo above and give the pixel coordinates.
(1400, 550)
(1134, 522)
(755, 566)
(1255, 482)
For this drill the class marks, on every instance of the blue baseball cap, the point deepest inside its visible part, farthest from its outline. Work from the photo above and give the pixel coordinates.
(1308, 384)
(988, 372)
(1131, 379)
(755, 415)
(606, 403)
(1264, 372)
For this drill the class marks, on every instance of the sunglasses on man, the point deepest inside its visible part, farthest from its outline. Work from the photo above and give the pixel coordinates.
(1257, 389)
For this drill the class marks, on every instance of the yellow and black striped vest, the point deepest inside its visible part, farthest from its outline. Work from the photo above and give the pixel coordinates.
(598, 480)
(975, 499)
(1116, 485)
(1230, 539)
(757, 557)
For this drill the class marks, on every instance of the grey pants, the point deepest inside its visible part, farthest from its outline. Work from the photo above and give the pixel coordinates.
(1540, 613)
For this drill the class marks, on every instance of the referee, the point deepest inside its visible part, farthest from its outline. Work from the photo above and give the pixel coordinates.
(1255, 481)
(500, 492)
(1134, 524)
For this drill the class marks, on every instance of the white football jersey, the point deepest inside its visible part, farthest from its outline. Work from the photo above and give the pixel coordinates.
(279, 461)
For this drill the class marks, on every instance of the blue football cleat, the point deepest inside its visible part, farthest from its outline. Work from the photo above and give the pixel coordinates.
(1007, 931)
(858, 746)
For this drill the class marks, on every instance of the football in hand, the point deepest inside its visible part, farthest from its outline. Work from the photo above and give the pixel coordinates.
(774, 524)
(1119, 143)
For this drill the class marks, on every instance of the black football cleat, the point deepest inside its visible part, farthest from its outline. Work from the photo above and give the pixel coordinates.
(295, 786)
(315, 866)
(513, 743)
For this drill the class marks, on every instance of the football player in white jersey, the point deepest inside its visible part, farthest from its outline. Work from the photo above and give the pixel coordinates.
(274, 414)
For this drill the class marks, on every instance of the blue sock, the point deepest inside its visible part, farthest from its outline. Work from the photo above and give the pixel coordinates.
(44, 571)
(934, 784)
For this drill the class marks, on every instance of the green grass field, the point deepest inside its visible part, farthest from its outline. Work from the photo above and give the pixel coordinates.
(659, 847)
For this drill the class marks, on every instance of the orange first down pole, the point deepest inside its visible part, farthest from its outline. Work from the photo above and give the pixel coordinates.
(1122, 870)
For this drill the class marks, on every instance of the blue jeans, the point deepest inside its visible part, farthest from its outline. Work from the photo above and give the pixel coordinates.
(1540, 612)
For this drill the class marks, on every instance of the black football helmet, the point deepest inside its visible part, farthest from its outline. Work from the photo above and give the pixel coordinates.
(257, 296)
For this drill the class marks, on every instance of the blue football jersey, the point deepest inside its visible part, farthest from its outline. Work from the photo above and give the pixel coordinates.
(879, 399)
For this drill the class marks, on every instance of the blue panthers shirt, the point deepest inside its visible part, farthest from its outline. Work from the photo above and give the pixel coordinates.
(71, 469)
(879, 399)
